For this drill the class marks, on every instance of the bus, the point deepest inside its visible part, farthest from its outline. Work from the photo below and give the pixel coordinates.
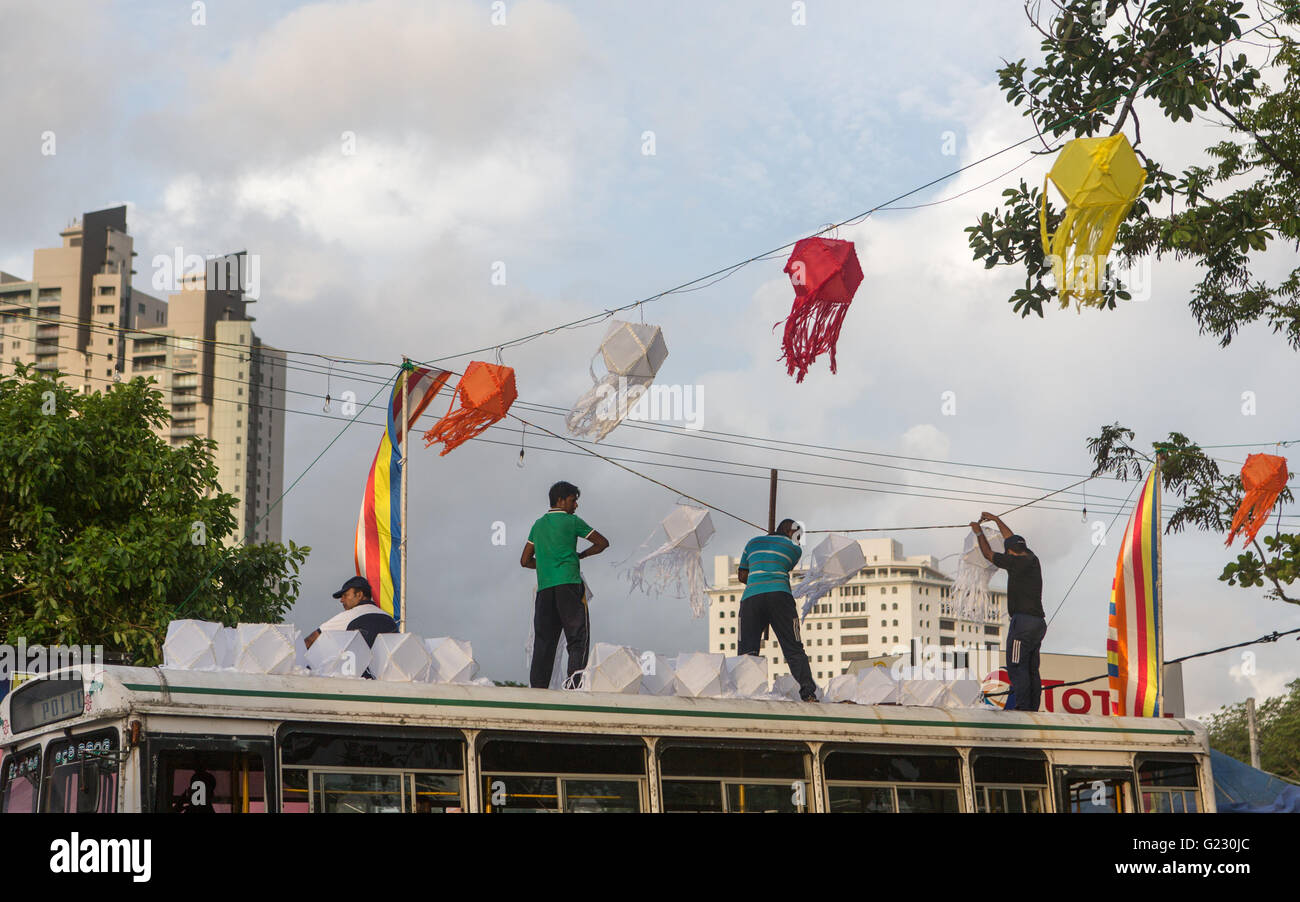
(128, 739)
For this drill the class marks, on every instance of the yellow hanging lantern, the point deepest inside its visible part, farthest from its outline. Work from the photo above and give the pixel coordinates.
(1099, 178)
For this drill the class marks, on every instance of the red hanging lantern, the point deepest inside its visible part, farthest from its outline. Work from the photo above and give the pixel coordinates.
(1263, 477)
(826, 274)
(485, 392)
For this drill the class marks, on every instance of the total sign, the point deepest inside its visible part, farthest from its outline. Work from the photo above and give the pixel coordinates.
(1072, 700)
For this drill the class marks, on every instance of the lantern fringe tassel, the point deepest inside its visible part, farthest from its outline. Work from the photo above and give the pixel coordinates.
(812, 328)
(605, 404)
(458, 427)
(1081, 243)
(678, 569)
(971, 598)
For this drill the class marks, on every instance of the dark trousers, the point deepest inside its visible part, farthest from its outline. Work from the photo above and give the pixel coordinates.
(1024, 638)
(558, 608)
(776, 609)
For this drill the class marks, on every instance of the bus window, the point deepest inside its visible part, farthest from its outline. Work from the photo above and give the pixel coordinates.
(1169, 785)
(81, 774)
(20, 782)
(734, 778)
(1009, 782)
(1096, 790)
(371, 769)
(889, 781)
(541, 774)
(211, 781)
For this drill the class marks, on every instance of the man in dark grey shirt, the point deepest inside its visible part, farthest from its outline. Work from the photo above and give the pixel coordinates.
(1025, 607)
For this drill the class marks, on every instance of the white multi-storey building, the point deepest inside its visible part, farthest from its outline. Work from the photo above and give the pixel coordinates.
(878, 612)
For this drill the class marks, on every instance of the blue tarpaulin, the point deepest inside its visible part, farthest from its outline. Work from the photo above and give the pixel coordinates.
(1241, 788)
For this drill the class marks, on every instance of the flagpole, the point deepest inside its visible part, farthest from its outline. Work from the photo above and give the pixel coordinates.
(406, 411)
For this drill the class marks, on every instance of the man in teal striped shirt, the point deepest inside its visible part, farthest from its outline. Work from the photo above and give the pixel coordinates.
(765, 567)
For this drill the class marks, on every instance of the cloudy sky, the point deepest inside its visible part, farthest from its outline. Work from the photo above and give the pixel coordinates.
(385, 158)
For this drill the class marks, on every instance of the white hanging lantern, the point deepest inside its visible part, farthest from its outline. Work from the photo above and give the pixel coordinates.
(676, 561)
(971, 599)
(633, 353)
(835, 561)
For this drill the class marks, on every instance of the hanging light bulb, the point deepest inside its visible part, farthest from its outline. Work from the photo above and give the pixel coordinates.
(326, 408)
(520, 462)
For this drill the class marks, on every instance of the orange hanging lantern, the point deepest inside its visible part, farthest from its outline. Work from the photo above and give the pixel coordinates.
(485, 392)
(1263, 477)
(825, 274)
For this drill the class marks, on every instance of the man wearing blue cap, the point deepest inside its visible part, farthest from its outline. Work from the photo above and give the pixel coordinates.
(1025, 606)
(359, 613)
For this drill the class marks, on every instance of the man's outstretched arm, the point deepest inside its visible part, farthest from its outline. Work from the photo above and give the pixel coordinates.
(985, 549)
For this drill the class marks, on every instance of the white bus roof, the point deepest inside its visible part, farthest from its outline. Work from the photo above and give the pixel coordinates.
(252, 697)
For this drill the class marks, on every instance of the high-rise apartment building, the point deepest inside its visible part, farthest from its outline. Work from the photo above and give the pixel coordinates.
(888, 602)
(80, 315)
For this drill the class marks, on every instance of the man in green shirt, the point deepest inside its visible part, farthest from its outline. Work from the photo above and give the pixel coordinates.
(552, 550)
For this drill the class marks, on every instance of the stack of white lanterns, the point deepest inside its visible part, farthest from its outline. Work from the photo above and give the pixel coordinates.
(278, 648)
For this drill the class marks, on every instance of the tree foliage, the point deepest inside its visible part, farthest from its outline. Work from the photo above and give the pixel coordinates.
(1209, 499)
(1278, 723)
(107, 532)
(1179, 58)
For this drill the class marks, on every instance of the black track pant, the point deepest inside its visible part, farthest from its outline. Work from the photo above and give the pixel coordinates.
(558, 608)
(1024, 638)
(776, 609)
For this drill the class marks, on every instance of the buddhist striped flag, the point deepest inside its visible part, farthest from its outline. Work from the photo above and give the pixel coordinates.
(1135, 647)
(379, 527)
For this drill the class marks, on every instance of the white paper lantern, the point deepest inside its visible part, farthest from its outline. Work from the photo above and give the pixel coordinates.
(748, 674)
(676, 561)
(926, 693)
(876, 686)
(835, 561)
(400, 658)
(195, 645)
(453, 660)
(963, 694)
(843, 688)
(265, 648)
(658, 675)
(633, 353)
(612, 668)
(702, 675)
(970, 598)
(785, 687)
(339, 653)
